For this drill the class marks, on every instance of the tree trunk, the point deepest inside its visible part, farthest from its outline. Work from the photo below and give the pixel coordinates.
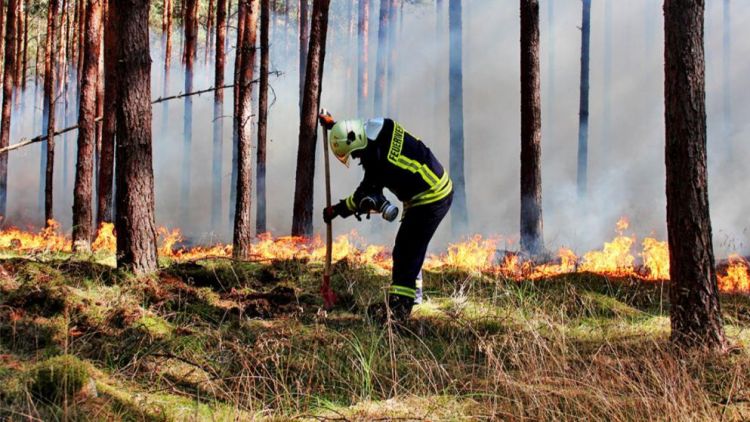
(392, 58)
(303, 45)
(191, 43)
(167, 35)
(532, 239)
(235, 128)
(363, 29)
(218, 123)
(459, 216)
(10, 40)
(82, 194)
(304, 187)
(242, 227)
(727, 78)
(583, 115)
(260, 175)
(209, 34)
(19, 48)
(49, 112)
(24, 60)
(607, 83)
(136, 229)
(105, 203)
(380, 65)
(695, 311)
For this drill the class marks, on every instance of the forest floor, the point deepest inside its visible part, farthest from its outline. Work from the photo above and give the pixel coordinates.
(222, 340)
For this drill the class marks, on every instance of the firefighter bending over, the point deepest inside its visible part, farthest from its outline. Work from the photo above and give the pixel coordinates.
(394, 159)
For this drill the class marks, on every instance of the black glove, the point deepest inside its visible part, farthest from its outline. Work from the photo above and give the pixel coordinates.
(339, 209)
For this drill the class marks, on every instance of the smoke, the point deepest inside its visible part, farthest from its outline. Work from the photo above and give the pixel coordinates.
(626, 156)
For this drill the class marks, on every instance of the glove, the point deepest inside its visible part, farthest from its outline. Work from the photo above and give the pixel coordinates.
(339, 209)
(326, 120)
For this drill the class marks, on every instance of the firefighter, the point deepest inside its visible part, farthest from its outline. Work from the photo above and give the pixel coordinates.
(392, 158)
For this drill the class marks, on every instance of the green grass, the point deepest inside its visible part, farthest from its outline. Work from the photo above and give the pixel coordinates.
(217, 340)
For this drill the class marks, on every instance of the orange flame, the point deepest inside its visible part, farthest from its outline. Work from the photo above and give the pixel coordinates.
(737, 278)
(475, 254)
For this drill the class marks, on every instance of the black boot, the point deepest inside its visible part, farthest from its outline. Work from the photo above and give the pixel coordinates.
(398, 309)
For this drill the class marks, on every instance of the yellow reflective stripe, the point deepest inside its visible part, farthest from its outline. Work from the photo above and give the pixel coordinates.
(350, 203)
(406, 163)
(403, 291)
(443, 189)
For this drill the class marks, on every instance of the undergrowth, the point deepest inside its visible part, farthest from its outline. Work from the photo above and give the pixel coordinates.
(222, 340)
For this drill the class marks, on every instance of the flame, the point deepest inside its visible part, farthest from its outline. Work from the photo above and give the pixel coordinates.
(656, 259)
(476, 254)
(105, 239)
(737, 278)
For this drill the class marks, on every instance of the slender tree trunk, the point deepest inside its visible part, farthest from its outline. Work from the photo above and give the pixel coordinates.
(607, 85)
(380, 65)
(19, 48)
(24, 60)
(83, 191)
(99, 109)
(81, 31)
(242, 226)
(260, 175)
(235, 128)
(218, 123)
(583, 116)
(191, 43)
(209, 34)
(10, 64)
(167, 35)
(532, 239)
(392, 58)
(302, 224)
(727, 78)
(49, 102)
(2, 21)
(695, 312)
(136, 229)
(459, 215)
(303, 45)
(105, 202)
(363, 29)
(286, 27)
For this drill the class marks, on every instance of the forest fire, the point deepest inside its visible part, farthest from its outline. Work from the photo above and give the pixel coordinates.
(476, 254)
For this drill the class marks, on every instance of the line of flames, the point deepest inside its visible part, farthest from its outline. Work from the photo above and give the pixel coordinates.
(476, 254)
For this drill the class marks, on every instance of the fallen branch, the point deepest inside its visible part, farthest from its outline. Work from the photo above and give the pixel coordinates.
(40, 138)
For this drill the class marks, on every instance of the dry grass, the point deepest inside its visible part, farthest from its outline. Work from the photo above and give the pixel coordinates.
(229, 341)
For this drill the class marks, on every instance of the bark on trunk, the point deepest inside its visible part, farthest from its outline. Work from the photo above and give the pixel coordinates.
(583, 117)
(380, 65)
(459, 215)
(392, 58)
(235, 131)
(191, 43)
(105, 203)
(260, 174)
(24, 60)
(49, 103)
(303, 46)
(304, 187)
(218, 123)
(136, 230)
(695, 311)
(167, 35)
(8, 75)
(17, 66)
(532, 241)
(82, 193)
(363, 29)
(209, 27)
(242, 226)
